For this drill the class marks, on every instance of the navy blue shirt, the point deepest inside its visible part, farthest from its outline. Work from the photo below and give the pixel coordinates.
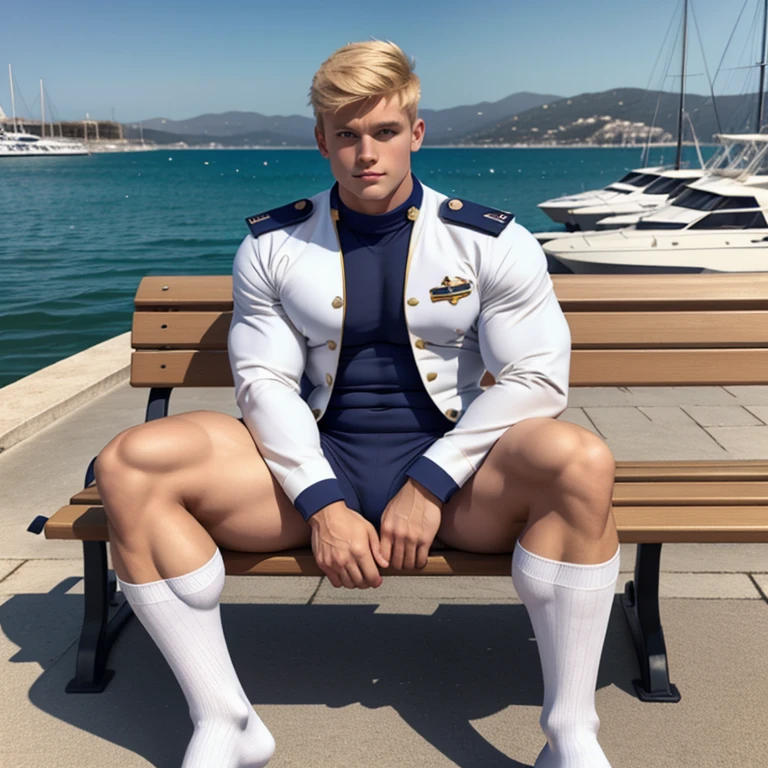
(378, 386)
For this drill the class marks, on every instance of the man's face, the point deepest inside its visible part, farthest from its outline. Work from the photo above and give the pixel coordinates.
(369, 145)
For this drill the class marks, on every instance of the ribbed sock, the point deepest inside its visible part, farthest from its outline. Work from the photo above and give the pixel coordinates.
(182, 615)
(569, 606)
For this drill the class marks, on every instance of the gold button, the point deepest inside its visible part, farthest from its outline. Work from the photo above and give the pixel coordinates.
(413, 302)
(331, 344)
(431, 376)
(413, 213)
(452, 414)
(301, 205)
(328, 379)
(420, 343)
(337, 302)
(334, 214)
(455, 205)
(316, 413)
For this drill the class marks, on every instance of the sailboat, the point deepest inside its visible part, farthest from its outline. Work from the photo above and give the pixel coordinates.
(638, 192)
(718, 224)
(19, 143)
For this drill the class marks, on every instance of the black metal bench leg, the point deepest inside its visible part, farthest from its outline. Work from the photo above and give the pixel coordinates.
(99, 631)
(641, 607)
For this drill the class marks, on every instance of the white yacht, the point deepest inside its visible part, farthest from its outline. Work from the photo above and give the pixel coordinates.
(665, 186)
(560, 209)
(718, 224)
(733, 148)
(21, 144)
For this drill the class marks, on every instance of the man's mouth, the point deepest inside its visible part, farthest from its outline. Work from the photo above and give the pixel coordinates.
(369, 175)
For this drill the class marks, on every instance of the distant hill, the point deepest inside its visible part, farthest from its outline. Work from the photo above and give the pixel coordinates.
(252, 128)
(617, 116)
(621, 115)
(230, 124)
(447, 124)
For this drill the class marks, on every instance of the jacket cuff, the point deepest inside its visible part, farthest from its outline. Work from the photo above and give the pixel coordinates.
(433, 477)
(450, 459)
(317, 496)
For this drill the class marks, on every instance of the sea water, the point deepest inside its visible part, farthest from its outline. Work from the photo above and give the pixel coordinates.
(77, 234)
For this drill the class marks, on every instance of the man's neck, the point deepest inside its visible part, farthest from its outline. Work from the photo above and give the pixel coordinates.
(377, 207)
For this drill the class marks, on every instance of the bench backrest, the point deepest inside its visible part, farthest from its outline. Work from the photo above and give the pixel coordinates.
(626, 330)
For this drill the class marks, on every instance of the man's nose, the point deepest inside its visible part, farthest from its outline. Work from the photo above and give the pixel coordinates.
(366, 153)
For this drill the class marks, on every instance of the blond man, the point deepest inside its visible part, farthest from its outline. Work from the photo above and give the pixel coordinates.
(364, 318)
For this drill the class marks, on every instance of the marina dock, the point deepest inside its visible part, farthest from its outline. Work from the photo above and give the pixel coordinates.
(424, 671)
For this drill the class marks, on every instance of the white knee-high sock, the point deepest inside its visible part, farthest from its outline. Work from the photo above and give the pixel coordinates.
(182, 615)
(569, 606)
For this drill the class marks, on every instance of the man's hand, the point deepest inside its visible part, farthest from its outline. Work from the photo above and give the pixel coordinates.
(409, 525)
(345, 545)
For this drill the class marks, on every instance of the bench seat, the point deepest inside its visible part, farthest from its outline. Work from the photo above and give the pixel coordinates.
(627, 331)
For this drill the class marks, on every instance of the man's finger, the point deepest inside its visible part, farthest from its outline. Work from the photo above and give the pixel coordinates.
(376, 548)
(398, 552)
(410, 554)
(370, 571)
(356, 576)
(422, 555)
(346, 579)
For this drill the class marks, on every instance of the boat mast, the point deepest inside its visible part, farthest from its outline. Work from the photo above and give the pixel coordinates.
(762, 64)
(682, 91)
(13, 100)
(42, 112)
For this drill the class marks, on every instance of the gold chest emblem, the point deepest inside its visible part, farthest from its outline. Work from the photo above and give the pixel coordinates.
(451, 290)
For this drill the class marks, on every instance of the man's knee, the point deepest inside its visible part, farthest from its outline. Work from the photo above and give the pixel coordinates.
(155, 447)
(141, 459)
(561, 457)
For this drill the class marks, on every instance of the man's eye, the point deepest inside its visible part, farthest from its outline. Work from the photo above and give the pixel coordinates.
(387, 130)
(345, 134)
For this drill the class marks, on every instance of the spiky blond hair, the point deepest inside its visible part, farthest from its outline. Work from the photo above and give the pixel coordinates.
(358, 71)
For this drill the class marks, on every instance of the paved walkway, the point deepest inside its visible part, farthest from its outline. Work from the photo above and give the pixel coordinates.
(424, 671)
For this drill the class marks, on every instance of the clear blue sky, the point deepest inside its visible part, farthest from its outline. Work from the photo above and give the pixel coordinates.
(181, 58)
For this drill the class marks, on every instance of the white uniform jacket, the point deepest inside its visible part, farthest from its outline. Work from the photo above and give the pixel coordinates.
(289, 308)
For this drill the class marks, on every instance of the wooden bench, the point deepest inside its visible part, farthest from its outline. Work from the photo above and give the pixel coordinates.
(635, 330)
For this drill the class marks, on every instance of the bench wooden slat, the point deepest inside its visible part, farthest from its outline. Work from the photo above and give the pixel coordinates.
(673, 292)
(698, 471)
(589, 368)
(592, 330)
(627, 494)
(635, 523)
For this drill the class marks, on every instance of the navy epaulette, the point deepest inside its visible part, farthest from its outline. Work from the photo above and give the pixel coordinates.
(277, 218)
(475, 216)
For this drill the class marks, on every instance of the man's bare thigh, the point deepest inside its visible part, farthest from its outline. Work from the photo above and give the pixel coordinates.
(225, 483)
(485, 514)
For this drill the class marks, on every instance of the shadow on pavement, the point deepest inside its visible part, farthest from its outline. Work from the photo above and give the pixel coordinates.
(438, 672)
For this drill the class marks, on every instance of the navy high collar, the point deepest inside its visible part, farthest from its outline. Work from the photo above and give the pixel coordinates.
(383, 222)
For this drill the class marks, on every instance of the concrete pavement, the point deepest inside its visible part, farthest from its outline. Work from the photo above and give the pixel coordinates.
(423, 671)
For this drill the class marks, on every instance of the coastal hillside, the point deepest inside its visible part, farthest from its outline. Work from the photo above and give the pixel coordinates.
(242, 129)
(619, 116)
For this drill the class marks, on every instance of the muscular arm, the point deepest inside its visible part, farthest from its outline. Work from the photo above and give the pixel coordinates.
(267, 356)
(525, 343)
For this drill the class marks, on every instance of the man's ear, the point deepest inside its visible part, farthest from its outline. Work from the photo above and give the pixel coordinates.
(321, 143)
(417, 135)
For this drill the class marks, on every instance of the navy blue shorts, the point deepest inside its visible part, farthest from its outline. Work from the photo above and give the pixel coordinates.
(371, 467)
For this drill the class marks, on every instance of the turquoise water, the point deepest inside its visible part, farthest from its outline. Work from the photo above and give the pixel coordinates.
(77, 234)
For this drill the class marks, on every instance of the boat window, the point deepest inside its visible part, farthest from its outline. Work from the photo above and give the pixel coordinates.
(643, 179)
(662, 186)
(726, 219)
(698, 200)
(629, 178)
(738, 202)
(659, 224)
